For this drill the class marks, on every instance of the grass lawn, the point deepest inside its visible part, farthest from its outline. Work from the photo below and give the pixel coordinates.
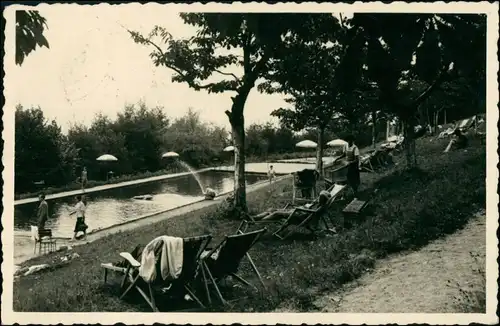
(410, 208)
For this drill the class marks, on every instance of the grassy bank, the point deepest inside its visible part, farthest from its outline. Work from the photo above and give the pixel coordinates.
(410, 208)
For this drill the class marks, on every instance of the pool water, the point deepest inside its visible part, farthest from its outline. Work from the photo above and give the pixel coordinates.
(116, 205)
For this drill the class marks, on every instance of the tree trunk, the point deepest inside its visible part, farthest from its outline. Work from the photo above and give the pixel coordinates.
(409, 144)
(319, 151)
(427, 116)
(374, 128)
(238, 131)
(387, 129)
(237, 120)
(436, 122)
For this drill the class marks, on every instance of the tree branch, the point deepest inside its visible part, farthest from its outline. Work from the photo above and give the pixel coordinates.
(425, 94)
(246, 55)
(189, 81)
(228, 74)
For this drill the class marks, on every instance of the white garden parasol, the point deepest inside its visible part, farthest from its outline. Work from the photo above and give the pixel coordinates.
(107, 158)
(170, 154)
(337, 142)
(306, 144)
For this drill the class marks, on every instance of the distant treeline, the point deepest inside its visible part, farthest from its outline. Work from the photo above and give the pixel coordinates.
(138, 137)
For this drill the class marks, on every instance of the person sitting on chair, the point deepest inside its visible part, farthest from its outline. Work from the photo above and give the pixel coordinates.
(459, 141)
(276, 214)
(210, 194)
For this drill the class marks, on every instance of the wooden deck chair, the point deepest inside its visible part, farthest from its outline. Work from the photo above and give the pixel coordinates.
(224, 260)
(333, 189)
(192, 249)
(303, 217)
(365, 162)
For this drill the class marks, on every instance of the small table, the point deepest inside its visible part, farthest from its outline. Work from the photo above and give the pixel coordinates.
(355, 208)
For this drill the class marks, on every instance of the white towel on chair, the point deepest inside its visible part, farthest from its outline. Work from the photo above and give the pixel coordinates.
(171, 259)
(336, 190)
(34, 233)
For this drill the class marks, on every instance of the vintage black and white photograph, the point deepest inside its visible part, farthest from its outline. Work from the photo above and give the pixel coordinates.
(328, 159)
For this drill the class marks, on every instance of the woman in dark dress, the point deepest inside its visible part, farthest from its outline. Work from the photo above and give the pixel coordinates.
(79, 210)
(353, 173)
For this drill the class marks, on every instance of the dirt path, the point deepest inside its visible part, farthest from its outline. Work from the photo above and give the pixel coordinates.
(416, 282)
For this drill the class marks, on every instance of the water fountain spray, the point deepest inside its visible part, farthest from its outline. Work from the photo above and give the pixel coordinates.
(187, 167)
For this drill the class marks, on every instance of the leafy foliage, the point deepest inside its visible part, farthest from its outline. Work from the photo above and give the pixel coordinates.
(405, 48)
(409, 57)
(29, 33)
(41, 151)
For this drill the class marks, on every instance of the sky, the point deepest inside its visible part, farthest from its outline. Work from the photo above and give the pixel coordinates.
(94, 66)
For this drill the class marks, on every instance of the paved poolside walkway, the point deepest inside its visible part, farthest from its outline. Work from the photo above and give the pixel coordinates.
(106, 187)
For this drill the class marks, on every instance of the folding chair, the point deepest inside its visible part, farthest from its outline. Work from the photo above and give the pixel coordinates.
(225, 258)
(303, 217)
(43, 238)
(192, 249)
(333, 189)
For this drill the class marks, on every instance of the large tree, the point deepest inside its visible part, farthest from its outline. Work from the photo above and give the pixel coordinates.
(405, 50)
(250, 41)
(316, 76)
(29, 33)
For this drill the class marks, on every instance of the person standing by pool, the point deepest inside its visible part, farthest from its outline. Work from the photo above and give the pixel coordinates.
(353, 173)
(271, 174)
(79, 210)
(84, 178)
(42, 212)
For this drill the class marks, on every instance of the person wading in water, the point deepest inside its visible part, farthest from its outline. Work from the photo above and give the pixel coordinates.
(79, 210)
(353, 173)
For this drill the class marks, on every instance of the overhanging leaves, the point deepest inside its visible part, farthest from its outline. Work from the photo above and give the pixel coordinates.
(29, 33)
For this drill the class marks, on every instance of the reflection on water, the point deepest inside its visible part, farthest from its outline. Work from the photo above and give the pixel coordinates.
(116, 205)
